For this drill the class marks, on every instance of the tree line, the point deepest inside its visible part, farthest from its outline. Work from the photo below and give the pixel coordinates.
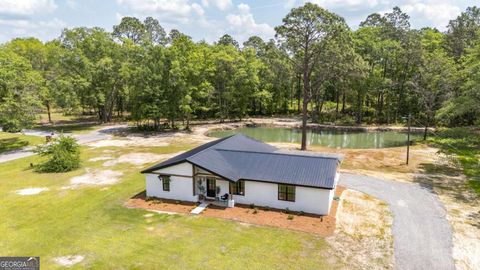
(315, 66)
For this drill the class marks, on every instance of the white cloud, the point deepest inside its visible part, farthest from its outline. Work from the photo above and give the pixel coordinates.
(179, 7)
(243, 25)
(433, 14)
(26, 7)
(198, 9)
(168, 11)
(44, 30)
(220, 4)
(72, 4)
(345, 3)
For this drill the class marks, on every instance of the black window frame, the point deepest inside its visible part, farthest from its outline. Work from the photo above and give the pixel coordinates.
(237, 188)
(288, 196)
(165, 184)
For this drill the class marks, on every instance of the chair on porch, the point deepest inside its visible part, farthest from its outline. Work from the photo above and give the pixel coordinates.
(224, 197)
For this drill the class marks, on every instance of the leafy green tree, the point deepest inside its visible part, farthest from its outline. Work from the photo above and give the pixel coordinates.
(227, 40)
(435, 78)
(303, 33)
(463, 32)
(464, 108)
(130, 28)
(63, 155)
(19, 92)
(154, 31)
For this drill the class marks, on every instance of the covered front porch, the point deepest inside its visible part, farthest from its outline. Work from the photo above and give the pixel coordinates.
(211, 188)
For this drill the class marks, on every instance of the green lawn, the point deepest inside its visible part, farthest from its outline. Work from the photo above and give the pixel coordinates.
(91, 221)
(58, 116)
(464, 145)
(75, 128)
(12, 141)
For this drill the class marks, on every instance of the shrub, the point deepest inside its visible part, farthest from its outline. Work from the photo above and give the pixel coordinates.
(63, 155)
(290, 217)
(11, 125)
(255, 210)
(252, 205)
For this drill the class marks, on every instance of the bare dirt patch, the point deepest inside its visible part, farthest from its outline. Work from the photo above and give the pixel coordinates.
(95, 177)
(164, 205)
(130, 141)
(100, 158)
(462, 205)
(363, 236)
(138, 158)
(68, 261)
(30, 191)
(384, 163)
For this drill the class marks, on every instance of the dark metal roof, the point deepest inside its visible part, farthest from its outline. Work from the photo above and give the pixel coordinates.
(182, 157)
(240, 157)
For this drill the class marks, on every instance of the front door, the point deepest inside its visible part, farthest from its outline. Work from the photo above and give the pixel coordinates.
(211, 187)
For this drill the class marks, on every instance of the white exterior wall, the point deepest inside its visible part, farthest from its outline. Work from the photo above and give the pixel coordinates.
(184, 169)
(309, 200)
(181, 183)
(224, 186)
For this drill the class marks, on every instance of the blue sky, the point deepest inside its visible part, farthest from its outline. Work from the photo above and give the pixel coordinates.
(203, 19)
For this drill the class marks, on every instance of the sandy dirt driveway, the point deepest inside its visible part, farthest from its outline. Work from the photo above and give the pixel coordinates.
(422, 235)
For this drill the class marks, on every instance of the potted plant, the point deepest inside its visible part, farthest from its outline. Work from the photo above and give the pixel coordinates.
(201, 189)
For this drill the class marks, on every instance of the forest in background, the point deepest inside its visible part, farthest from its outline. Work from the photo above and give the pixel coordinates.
(316, 65)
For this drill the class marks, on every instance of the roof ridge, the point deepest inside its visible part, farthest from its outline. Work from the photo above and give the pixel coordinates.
(217, 142)
(276, 153)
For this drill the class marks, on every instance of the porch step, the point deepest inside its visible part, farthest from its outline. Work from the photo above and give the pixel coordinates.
(199, 208)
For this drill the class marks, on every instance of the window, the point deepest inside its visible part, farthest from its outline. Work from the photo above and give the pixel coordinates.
(286, 193)
(165, 182)
(237, 188)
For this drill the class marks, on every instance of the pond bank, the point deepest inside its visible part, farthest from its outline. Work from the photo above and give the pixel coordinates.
(297, 123)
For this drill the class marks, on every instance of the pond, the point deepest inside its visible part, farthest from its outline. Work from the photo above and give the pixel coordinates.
(328, 138)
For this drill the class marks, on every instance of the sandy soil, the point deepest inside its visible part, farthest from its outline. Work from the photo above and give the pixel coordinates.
(363, 237)
(130, 141)
(462, 205)
(385, 163)
(68, 261)
(100, 158)
(30, 191)
(95, 177)
(138, 159)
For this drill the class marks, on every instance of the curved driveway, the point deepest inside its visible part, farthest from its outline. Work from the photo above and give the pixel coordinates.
(422, 235)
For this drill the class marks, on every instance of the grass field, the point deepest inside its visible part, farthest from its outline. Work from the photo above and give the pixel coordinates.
(75, 128)
(12, 141)
(464, 145)
(91, 221)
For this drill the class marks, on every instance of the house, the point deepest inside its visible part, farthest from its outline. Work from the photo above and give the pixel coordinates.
(239, 169)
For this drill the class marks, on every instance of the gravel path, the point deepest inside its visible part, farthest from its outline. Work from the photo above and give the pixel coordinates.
(422, 235)
(16, 154)
(96, 135)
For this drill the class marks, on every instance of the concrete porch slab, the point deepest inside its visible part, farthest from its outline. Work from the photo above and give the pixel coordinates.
(199, 208)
